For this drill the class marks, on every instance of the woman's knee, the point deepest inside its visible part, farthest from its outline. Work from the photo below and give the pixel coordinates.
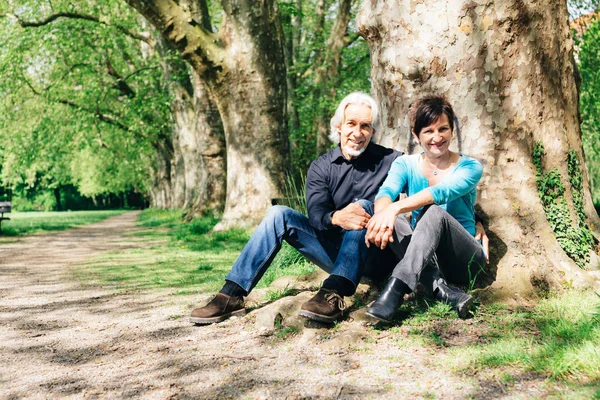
(402, 226)
(432, 212)
(432, 216)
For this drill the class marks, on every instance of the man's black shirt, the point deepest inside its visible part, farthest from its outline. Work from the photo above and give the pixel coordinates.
(334, 182)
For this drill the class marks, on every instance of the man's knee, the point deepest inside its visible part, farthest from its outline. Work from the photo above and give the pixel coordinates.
(367, 205)
(279, 213)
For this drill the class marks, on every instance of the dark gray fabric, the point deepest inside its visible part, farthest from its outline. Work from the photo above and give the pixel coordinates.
(438, 247)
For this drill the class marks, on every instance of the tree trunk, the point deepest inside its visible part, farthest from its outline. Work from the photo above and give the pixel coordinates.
(209, 147)
(508, 69)
(243, 66)
(161, 191)
(57, 199)
(198, 174)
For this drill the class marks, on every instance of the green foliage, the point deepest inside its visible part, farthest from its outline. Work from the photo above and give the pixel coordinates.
(576, 179)
(24, 223)
(589, 59)
(288, 262)
(156, 217)
(277, 294)
(313, 98)
(283, 332)
(81, 102)
(575, 239)
(39, 201)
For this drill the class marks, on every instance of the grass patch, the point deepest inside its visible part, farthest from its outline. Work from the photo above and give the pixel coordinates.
(288, 262)
(23, 223)
(188, 257)
(558, 339)
(283, 332)
(277, 294)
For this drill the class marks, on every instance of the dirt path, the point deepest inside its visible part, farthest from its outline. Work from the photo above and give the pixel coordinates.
(59, 338)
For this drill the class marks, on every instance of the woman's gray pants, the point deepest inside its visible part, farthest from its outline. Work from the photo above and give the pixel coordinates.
(438, 247)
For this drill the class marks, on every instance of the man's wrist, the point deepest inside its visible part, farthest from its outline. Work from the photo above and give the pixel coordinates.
(332, 218)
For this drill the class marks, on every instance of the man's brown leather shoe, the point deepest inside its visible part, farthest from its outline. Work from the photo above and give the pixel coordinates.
(218, 309)
(326, 306)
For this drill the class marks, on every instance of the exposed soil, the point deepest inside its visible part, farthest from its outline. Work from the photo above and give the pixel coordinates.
(61, 338)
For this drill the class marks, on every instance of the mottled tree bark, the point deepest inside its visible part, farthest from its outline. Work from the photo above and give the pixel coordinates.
(208, 146)
(161, 192)
(507, 67)
(198, 173)
(243, 66)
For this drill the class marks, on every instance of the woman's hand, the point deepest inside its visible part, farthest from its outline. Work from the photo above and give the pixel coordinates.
(481, 235)
(381, 227)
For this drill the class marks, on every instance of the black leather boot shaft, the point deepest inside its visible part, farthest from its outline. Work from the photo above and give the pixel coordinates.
(458, 299)
(389, 300)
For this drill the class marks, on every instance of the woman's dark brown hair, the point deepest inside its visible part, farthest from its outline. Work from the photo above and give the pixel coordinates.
(427, 110)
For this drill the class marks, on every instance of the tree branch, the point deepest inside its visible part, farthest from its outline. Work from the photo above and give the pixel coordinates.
(101, 116)
(92, 18)
(196, 44)
(121, 84)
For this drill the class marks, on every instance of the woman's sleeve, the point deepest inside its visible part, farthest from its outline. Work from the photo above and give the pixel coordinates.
(461, 182)
(395, 181)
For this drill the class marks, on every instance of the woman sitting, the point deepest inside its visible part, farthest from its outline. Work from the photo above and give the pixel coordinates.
(441, 189)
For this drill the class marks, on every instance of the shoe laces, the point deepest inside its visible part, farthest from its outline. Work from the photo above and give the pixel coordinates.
(335, 300)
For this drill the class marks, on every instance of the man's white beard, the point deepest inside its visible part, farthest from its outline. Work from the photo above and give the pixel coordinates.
(354, 153)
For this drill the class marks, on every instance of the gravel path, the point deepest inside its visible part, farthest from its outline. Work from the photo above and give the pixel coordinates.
(60, 338)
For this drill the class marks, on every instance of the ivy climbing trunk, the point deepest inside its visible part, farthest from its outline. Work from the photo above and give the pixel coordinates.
(243, 67)
(508, 69)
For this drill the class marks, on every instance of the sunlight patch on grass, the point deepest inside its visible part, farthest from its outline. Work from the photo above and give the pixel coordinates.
(559, 339)
(22, 223)
(288, 262)
(188, 257)
(159, 267)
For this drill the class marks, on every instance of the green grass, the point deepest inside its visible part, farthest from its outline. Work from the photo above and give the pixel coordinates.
(277, 294)
(23, 223)
(188, 257)
(558, 339)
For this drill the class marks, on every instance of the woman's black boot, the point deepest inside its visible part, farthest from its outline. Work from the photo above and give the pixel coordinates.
(389, 300)
(459, 300)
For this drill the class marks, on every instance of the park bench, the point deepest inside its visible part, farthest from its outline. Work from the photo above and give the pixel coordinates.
(4, 208)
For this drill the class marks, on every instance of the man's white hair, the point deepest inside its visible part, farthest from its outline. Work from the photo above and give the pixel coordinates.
(353, 98)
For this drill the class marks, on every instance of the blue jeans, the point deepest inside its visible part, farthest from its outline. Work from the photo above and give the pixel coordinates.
(338, 252)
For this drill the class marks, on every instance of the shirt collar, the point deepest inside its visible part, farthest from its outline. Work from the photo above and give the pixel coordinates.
(337, 154)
